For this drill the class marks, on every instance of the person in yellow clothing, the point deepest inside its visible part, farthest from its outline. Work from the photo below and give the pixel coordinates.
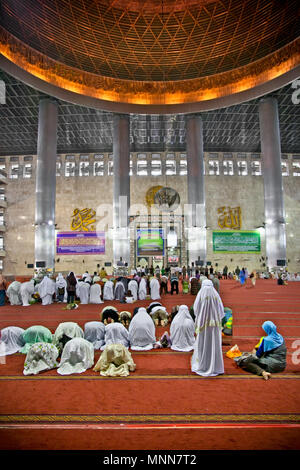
(103, 273)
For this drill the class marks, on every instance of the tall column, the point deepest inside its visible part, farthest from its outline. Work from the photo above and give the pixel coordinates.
(273, 187)
(196, 217)
(46, 183)
(121, 204)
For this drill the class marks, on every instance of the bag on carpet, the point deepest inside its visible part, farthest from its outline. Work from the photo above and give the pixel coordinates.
(234, 352)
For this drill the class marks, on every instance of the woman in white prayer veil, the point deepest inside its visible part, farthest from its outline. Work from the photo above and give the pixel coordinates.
(83, 292)
(115, 333)
(142, 288)
(26, 292)
(77, 357)
(94, 332)
(95, 294)
(41, 356)
(13, 293)
(46, 289)
(182, 330)
(142, 331)
(119, 291)
(133, 287)
(65, 332)
(154, 289)
(207, 359)
(108, 290)
(11, 340)
(61, 287)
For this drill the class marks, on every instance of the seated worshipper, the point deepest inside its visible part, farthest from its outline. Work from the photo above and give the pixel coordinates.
(65, 332)
(26, 292)
(108, 290)
(71, 287)
(133, 287)
(216, 282)
(185, 286)
(83, 292)
(46, 290)
(154, 288)
(61, 287)
(35, 334)
(227, 322)
(159, 315)
(142, 288)
(174, 312)
(115, 333)
(95, 294)
(11, 340)
(125, 318)
(41, 356)
(142, 331)
(182, 330)
(115, 361)
(119, 291)
(13, 293)
(129, 298)
(207, 359)
(77, 357)
(268, 356)
(195, 286)
(109, 314)
(152, 305)
(94, 332)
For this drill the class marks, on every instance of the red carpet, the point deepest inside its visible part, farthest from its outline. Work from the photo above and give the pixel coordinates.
(162, 405)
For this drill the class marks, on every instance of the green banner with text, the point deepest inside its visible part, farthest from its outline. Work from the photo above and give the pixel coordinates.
(239, 241)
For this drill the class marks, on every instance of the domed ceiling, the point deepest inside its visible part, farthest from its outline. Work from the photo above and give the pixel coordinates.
(152, 52)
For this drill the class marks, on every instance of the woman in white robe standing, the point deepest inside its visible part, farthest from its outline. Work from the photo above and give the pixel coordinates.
(182, 330)
(83, 292)
(154, 289)
(13, 293)
(108, 290)
(142, 288)
(142, 331)
(95, 294)
(46, 290)
(26, 292)
(133, 287)
(207, 359)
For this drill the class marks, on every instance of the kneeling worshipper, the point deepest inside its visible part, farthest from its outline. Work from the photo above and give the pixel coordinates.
(26, 292)
(115, 361)
(154, 289)
(115, 333)
(227, 321)
(77, 357)
(11, 340)
(41, 356)
(142, 288)
(35, 334)
(61, 288)
(182, 330)
(207, 359)
(120, 291)
(268, 356)
(159, 315)
(65, 332)
(13, 293)
(125, 318)
(83, 292)
(95, 294)
(108, 290)
(142, 331)
(109, 314)
(46, 290)
(94, 332)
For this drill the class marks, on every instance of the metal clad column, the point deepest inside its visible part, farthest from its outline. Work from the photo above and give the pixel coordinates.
(196, 221)
(273, 187)
(46, 183)
(121, 157)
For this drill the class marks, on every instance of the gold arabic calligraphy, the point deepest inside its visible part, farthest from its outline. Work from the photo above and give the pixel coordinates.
(230, 217)
(82, 220)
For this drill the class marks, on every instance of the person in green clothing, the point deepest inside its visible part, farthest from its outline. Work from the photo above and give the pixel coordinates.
(227, 321)
(35, 334)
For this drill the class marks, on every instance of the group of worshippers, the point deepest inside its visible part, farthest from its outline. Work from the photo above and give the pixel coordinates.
(198, 330)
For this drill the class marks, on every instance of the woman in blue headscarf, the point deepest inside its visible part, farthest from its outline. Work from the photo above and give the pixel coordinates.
(268, 356)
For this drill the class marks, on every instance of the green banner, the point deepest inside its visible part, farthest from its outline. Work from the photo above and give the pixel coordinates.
(239, 241)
